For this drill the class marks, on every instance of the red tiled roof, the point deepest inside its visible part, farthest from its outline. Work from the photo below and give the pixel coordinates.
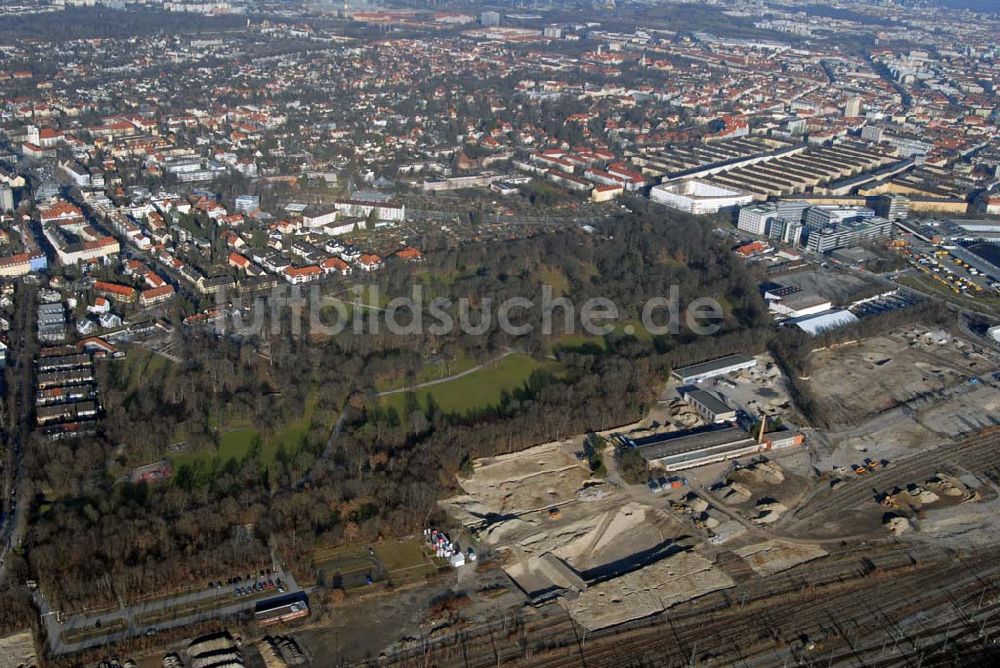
(114, 289)
(156, 293)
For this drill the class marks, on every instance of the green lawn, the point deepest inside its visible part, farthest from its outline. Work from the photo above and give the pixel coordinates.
(633, 328)
(576, 341)
(427, 372)
(236, 441)
(429, 278)
(233, 444)
(477, 390)
(556, 279)
(141, 363)
(400, 554)
(343, 559)
(404, 560)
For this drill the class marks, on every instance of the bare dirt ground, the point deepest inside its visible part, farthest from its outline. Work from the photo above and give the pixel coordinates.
(17, 650)
(588, 545)
(969, 412)
(681, 577)
(362, 627)
(854, 382)
(762, 490)
(775, 556)
(535, 479)
(612, 552)
(848, 505)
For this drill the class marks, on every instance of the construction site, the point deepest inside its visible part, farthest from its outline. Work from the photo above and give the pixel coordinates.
(874, 375)
(871, 542)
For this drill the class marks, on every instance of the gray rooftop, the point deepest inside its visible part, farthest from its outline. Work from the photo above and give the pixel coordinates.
(669, 445)
(709, 401)
(713, 365)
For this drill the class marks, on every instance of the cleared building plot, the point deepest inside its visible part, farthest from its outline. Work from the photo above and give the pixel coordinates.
(756, 489)
(560, 555)
(965, 413)
(17, 650)
(681, 577)
(775, 556)
(521, 482)
(838, 288)
(762, 388)
(858, 381)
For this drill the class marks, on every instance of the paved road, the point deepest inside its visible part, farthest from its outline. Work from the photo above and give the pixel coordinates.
(228, 605)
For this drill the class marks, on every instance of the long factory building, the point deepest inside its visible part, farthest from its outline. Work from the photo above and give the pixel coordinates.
(701, 160)
(760, 168)
(713, 368)
(794, 174)
(676, 451)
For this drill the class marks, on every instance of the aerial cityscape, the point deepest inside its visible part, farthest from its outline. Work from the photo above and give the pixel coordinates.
(525, 333)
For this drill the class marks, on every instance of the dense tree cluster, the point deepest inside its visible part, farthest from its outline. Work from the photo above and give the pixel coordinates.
(96, 535)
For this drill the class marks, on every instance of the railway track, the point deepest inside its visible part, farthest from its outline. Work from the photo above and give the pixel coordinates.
(752, 611)
(856, 597)
(769, 630)
(976, 454)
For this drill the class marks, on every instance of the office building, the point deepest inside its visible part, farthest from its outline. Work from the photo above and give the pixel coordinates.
(786, 231)
(894, 207)
(817, 217)
(757, 219)
(489, 19)
(848, 233)
(791, 210)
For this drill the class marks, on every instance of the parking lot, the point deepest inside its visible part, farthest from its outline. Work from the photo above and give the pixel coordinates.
(219, 599)
(882, 305)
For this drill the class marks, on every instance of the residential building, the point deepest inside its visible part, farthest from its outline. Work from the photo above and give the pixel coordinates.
(155, 296)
